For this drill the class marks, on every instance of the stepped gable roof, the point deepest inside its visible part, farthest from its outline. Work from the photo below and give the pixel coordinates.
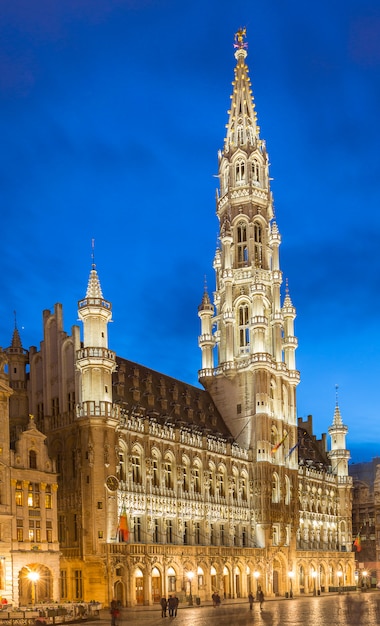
(166, 399)
(311, 452)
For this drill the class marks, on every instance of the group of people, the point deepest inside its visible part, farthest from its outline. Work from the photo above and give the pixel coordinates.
(260, 599)
(170, 604)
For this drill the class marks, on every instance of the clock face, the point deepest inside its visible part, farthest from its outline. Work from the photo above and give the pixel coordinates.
(112, 483)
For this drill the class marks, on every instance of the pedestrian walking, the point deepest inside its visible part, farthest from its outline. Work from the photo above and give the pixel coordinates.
(176, 606)
(250, 600)
(261, 599)
(164, 605)
(115, 613)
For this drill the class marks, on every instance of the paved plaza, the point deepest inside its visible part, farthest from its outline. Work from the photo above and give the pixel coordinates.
(331, 610)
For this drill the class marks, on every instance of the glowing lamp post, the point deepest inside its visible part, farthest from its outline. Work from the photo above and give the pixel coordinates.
(190, 576)
(291, 576)
(257, 576)
(340, 574)
(314, 575)
(365, 574)
(34, 578)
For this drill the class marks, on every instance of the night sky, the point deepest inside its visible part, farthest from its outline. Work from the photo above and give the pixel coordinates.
(112, 113)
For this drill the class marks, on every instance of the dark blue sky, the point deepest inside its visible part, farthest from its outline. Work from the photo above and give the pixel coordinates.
(112, 113)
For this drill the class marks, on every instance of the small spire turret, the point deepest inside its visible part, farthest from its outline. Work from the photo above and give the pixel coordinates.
(338, 454)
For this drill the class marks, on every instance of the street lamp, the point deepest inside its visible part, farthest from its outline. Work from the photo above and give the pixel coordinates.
(314, 575)
(291, 576)
(190, 576)
(257, 576)
(365, 574)
(34, 578)
(340, 574)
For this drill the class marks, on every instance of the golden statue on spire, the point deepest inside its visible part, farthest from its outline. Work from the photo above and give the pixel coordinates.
(239, 38)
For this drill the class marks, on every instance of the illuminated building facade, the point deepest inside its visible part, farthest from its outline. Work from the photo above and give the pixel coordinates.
(165, 487)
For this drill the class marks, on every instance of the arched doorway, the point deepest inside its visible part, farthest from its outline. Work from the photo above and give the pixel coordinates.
(237, 582)
(276, 584)
(119, 594)
(226, 583)
(35, 584)
(156, 585)
(139, 586)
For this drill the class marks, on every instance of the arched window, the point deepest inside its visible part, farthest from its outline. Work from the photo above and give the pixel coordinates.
(168, 473)
(186, 474)
(225, 180)
(32, 459)
(275, 488)
(220, 479)
(287, 490)
(243, 487)
(255, 169)
(240, 172)
(243, 322)
(136, 468)
(196, 479)
(122, 472)
(258, 239)
(242, 246)
(155, 472)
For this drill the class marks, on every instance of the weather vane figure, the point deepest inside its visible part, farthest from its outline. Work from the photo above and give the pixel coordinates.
(240, 37)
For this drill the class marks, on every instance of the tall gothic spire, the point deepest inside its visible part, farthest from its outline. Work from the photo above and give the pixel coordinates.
(242, 128)
(247, 339)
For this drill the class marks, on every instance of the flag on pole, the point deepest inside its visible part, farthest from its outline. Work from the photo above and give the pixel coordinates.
(279, 444)
(291, 450)
(123, 527)
(358, 543)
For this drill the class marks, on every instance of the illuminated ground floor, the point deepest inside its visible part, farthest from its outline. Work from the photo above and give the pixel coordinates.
(140, 574)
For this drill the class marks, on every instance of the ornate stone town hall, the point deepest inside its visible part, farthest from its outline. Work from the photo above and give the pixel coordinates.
(164, 487)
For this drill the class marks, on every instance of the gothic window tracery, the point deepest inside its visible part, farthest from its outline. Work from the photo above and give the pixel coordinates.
(258, 243)
(242, 244)
(275, 488)
(240, 172)
(168, 473)
(136, 467)
(243, 328)
(255, 169)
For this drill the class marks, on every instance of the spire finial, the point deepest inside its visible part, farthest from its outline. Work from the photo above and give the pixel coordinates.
(336, 395)
(287, 286)
(15, 316)
(205, 284)
(93, 253)
(239, 39)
